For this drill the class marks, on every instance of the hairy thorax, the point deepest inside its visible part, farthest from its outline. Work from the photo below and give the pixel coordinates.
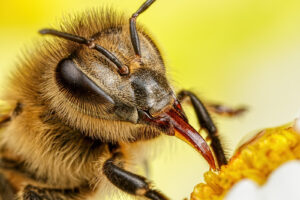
(48, 152)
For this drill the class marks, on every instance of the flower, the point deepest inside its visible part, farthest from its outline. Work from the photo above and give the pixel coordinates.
(254, 160)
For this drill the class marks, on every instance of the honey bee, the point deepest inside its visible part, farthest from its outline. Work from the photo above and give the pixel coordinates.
(83, 102)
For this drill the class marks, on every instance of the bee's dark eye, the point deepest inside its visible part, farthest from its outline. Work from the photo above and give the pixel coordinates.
(78, 84)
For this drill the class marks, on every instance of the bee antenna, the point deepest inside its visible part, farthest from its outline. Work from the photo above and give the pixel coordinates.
(133, 32)
(122, 69)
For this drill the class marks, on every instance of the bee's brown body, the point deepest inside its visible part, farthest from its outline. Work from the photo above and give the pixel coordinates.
(76, 122)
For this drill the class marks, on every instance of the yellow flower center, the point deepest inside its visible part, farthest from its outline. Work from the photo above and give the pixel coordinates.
(254, 160)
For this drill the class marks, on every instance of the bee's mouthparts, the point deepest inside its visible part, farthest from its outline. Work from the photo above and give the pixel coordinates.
(178, 125)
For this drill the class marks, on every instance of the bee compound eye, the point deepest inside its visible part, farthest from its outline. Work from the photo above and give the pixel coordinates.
(71, 78)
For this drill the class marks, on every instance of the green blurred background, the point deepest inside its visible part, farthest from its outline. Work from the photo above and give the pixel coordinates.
(229, 51)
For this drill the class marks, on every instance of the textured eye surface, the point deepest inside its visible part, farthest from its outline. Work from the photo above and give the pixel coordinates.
(78, 84)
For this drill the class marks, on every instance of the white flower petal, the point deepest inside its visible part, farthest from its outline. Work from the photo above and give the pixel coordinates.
(245, 189)
(284, 183)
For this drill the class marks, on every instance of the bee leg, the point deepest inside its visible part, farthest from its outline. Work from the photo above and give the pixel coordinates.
(206, 123)
(31, 192)
(127, 181)
(224, 110)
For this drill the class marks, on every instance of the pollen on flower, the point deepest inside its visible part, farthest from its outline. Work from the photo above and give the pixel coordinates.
(254, 160)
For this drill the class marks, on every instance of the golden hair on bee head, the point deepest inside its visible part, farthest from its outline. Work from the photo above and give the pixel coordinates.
(45, 78)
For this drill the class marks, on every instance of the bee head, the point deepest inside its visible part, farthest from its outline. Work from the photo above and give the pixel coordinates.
(117, 95)
(113, 87)
(104, 82)
(94, 85)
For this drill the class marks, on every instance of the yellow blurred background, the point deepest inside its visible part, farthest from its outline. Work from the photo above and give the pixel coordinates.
(229, 51)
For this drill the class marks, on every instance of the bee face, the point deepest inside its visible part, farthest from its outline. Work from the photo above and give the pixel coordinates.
(88, 85)
(104, 78)
(109, 82)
